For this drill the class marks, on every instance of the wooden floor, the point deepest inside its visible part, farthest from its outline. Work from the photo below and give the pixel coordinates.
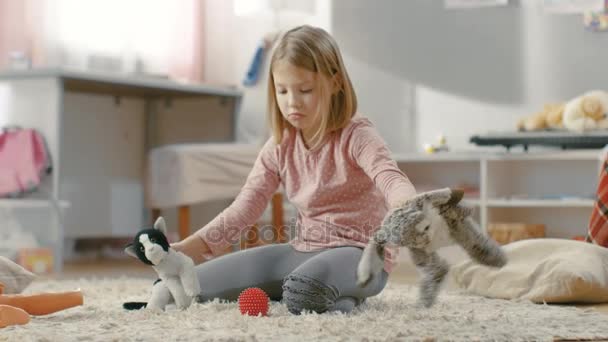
(106, 268)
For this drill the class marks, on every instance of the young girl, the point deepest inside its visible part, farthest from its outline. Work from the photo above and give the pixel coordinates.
(335, 169)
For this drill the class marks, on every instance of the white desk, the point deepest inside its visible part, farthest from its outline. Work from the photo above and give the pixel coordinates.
(99, 128)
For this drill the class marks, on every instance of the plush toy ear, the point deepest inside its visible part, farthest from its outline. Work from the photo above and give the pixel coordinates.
(456, 196)
(414, 218)
(161, 225)
(436, 197)
(130, 250)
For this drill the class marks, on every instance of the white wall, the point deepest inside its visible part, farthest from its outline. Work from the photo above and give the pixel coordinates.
(387, 100)
(561, 61)
(473, 70)
(232, 41)
(461, 117)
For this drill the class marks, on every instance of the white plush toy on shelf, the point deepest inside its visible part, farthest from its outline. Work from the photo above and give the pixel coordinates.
(587, 112)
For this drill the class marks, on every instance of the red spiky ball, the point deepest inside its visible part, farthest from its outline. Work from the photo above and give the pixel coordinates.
(253, 301)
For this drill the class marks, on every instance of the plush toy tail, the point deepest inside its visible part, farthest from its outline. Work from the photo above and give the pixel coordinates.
(478, 246)
(139, 305)
(134, 305)
(371, 263)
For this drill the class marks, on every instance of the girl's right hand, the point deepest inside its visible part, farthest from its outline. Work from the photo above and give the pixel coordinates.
(196, 248)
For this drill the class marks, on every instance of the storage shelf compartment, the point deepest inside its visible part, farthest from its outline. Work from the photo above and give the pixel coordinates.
(429, 175)
(540, 181)
(549, 203)
(565, 222)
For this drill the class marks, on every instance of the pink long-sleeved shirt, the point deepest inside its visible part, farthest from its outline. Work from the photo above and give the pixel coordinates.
(342, 190)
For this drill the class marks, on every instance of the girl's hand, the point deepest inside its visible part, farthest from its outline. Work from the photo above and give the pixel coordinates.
(193, 247)
(196, 248)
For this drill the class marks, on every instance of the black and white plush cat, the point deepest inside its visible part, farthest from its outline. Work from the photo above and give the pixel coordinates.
(178, 282)
(424, 224)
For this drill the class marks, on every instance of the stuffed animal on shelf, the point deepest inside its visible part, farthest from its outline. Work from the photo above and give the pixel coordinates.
(423, 224)
(15, 309)
(587, 112)
(553, 115)
(178, 282)
(549, 118)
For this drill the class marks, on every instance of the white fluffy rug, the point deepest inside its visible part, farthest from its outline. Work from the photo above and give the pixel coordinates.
(390, 316)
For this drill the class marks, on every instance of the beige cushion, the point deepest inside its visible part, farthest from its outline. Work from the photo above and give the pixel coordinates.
(541, 270)
(14, 277)
(185, 174)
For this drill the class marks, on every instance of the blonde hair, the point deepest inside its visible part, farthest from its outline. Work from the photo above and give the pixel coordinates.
(315, 50)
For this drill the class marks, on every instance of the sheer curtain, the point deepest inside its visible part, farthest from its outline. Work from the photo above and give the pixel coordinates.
(160, 37)
(20, 30)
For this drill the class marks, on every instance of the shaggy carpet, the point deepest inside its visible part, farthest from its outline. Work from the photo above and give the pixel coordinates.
(390, 316)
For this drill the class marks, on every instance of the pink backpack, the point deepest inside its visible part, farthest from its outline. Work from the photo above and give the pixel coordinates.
(24, 161)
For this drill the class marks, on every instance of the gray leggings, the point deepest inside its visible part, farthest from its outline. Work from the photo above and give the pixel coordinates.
(306, 281)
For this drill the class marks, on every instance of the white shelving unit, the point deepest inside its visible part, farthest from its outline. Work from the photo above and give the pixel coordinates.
(99, 128)
(506, 203)
(555, 188)
(30, 203)
(41, 217)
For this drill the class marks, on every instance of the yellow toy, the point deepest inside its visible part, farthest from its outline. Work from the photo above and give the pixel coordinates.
(554, 115)
(441, 146)
(549, 118)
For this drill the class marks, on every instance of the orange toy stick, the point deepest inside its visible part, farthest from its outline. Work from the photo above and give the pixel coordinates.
(44, 303)
(12, 316)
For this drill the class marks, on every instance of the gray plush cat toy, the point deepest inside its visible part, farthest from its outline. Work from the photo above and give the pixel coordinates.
(178, 282)
(423, 224)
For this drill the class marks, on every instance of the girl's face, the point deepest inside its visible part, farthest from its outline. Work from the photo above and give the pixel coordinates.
(297, 95)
